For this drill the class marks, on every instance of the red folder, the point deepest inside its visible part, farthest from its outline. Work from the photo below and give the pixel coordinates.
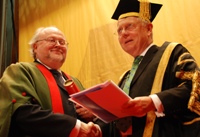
(103, 100)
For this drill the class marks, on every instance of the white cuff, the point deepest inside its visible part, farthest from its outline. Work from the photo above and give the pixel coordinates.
(158, 105)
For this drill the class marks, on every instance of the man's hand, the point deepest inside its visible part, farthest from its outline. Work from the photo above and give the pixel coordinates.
(84, 113)
(89, 130)
(138, 106)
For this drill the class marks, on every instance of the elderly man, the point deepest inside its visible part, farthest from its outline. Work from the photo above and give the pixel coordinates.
(33, 99)
(158, 107)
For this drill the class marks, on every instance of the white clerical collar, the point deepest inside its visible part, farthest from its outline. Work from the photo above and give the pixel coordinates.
(46, 65)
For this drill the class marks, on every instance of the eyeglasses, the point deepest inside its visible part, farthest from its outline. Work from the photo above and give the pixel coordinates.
(127, 28)
(54, 41)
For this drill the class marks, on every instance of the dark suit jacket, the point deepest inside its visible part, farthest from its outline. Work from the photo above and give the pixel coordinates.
(173, 97)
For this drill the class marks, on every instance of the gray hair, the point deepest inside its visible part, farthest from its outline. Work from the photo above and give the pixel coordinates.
(37, 34)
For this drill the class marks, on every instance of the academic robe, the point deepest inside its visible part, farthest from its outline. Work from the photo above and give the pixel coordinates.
(174, 96)
(25, 97)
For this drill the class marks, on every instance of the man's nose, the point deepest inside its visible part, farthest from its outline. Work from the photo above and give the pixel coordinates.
(57, 43)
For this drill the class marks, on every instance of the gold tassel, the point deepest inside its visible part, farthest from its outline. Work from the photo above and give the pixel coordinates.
(145, 10)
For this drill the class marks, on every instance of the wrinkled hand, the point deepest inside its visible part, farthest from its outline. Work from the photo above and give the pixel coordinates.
(138, 106)
(84, 113)
(89, 130)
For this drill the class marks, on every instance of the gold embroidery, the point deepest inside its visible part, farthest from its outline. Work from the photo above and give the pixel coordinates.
(192, 121)
(180, 61)
(193, 104)
(145, 9)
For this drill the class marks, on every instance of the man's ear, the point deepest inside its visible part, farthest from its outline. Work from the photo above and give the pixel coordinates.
(34, 46)
(150, 27)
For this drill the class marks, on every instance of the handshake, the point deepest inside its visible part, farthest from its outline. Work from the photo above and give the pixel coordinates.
(89, 130)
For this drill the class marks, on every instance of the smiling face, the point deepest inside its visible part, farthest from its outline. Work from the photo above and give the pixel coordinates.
(134, 35)
(48, 48)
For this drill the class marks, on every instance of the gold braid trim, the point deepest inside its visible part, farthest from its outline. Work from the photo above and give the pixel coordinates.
(180, 61)
(194, 101)
(192, 121)
(181, 84)
(157, 86)
(181, 56)
(145, 9)
(129, 14)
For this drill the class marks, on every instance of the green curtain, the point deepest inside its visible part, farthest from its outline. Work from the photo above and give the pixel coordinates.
(8, 37)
